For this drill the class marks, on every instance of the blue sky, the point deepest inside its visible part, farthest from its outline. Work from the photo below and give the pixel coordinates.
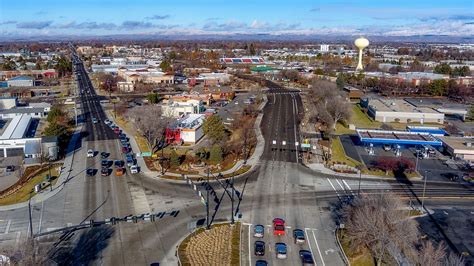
(95, 17)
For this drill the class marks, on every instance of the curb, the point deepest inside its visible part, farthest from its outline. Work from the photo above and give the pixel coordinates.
(346, 260)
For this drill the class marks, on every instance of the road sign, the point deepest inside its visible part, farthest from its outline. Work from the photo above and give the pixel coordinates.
(146, 154)
(283, 143)
(305, 145)
(203, 201)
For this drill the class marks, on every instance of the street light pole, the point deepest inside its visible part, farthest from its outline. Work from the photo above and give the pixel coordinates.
(29, 215)
(207, 202)
(424, 189)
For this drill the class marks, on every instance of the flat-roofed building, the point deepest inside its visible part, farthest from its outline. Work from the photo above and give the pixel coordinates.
(399, 110)
(460, 148)
(186, 130)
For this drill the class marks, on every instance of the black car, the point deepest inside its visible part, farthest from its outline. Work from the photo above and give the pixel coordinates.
(90, 172)
(119, 163)
(104, 171)
(10, 168)
(104, 163)
(259, 248)
(104, 155)
(261, 263)
(306, 257)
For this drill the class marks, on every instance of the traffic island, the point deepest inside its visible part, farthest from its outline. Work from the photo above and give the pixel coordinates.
(211, 247)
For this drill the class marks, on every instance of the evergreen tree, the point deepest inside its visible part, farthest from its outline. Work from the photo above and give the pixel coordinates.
(216, 155)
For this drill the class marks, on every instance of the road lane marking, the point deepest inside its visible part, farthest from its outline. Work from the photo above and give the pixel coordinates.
(41, 217)
(309, 244)
(333, 187)
(7, 228)
(319, 251)
(343, 188)
(347, 185)
(250, 252)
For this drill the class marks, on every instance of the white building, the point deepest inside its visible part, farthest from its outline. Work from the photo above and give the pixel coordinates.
(187, 129)
(324, 48)
(460, 148)
(20, 81)
(181, 108)
(12, 141)
(7, 102)
(397, 110)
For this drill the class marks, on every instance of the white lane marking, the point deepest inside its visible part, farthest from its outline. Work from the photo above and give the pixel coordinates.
(317, 246)
(333, 187)
(250, 252)
(309, 243)
(41, 217)
(18, 235)
(347, 185)
(247, 224)
(7, 228)
(339, 183)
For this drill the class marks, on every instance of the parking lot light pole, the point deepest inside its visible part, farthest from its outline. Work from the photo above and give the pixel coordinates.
(424, 189)
(232, 200)
(207, 202)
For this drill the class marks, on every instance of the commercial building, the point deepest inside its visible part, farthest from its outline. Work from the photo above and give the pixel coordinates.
(186, 130)
(241, 60)
(37, 74)
(459, 148)
(176, 107)
(398, 110)
(395, 137)
(21, 81)
(324, 48)
(353, 93)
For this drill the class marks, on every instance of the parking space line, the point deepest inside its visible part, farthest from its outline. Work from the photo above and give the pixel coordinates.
(309, 244)
(317, 246)
(333, 187)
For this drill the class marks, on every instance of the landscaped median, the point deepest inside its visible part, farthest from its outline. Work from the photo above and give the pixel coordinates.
(211, 247)
(242, 170)
(33, 175)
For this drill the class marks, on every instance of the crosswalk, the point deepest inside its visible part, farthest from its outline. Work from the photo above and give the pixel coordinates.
(341, 187)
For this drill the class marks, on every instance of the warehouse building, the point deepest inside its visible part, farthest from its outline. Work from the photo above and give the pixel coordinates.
(398, 110)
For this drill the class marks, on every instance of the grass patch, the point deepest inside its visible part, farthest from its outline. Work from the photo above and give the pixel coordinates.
(141, 142)
(338, 154)
(23, 193)
(356, 258)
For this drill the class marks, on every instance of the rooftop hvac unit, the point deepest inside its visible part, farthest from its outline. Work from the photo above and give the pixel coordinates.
(469, 144)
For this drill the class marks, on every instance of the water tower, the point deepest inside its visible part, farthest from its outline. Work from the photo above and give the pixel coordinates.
(361, 43)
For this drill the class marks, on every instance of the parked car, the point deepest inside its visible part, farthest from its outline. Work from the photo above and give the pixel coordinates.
(306, 257)
(258, 231)
(107, 121)
(278, 227)
(299, 236)
(90, 153)
(259, 248)
(10, 168)
(387, 147)
(104, 155)
(280, 249)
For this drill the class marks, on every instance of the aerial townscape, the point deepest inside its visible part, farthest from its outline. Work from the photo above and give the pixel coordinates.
(237, 133)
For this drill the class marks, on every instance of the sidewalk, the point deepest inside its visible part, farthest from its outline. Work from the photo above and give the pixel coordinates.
(319, 167)
(252, 161)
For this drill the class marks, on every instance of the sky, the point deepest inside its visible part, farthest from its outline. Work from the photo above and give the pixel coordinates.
(221, 17)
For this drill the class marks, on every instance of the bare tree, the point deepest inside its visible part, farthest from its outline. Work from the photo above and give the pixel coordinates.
(339, 110)
(378, 222)
(150, 122)
(430, 254)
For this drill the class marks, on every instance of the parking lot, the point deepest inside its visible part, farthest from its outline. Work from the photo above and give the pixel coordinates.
(248, 239)
(435, 165)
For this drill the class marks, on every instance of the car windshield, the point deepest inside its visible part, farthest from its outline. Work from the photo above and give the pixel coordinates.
(259, 229)
(281, 248)
(299, 234)
(279, 227)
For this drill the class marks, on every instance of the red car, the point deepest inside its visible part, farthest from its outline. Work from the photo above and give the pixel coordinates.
(278, 227)
(117, 130)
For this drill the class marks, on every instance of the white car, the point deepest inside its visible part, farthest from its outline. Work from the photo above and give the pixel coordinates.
(134, 169)
(107, 121)
(90, 153)
(94, 120)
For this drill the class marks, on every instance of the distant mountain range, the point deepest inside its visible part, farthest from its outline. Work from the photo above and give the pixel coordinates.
(246, 37)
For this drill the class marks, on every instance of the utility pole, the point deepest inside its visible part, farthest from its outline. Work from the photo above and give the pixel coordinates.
(29, 215)
(360, 179)
(50, 177)
(424, 189)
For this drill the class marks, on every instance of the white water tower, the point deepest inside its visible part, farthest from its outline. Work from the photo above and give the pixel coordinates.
(361, 43)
